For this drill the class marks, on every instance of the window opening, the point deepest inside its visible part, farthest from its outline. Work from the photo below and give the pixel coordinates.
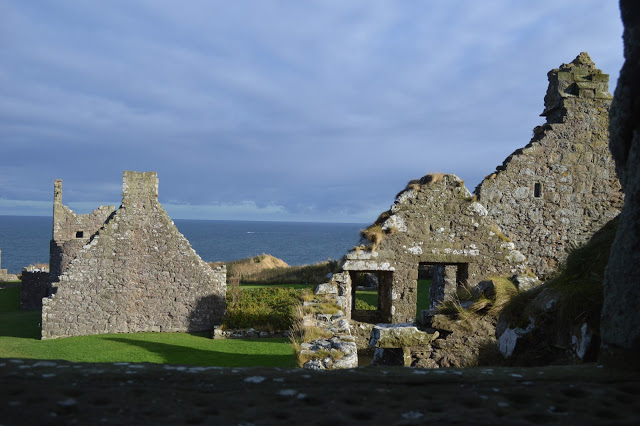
(80, 234)
(537, 190)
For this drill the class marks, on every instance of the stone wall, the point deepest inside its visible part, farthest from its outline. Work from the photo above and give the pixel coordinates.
(71, 231)
(434, 221)
(620, 334)
(3, 272)
(35, 287)
(553, 194)
(136, 273)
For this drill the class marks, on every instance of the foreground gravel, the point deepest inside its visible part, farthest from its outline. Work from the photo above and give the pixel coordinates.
(59, 392)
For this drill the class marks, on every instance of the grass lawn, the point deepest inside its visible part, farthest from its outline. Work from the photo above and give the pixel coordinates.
(371, 296)
(20, 331)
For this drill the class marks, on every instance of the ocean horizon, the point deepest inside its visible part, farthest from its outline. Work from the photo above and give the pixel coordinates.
(24, 240)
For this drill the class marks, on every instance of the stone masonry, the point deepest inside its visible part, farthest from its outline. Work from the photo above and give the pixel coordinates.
(132, 272)
(3, 272)
(35, 287)
(619, 330)
(71, 231)
(553, 194)
(435, 221)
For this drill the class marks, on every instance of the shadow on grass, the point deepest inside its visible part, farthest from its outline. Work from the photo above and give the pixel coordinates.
(20, 324)
(179, 354)
(13, 321)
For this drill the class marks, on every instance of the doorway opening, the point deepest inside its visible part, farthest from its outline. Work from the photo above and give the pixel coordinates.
(446, 279)
(371, 295)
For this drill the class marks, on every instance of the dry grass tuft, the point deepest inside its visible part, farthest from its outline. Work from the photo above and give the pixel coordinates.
(433, 178)
(375, 234)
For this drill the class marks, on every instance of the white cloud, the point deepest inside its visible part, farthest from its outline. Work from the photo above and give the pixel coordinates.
(328, 104)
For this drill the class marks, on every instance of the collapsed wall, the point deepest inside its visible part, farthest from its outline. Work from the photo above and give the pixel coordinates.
(136, 273)
(71, 231)
(553, 194)
(434, 222)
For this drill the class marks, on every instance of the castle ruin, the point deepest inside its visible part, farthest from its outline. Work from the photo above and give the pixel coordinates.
(127, 270)
(434, 222)
(553, 194)
(544, 200)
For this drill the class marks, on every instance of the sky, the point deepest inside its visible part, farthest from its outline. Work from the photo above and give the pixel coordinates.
(317, 111)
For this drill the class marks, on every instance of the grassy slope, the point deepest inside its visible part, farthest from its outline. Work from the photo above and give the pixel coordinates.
(19, 338)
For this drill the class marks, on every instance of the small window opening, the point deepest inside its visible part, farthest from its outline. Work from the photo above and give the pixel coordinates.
(80, 234)
(537, 190)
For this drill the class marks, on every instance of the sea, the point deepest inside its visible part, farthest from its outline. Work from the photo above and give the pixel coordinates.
(24, 240)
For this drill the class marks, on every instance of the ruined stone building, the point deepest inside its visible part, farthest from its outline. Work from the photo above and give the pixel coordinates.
(434, 222)
(127, 270)
(3, 272)
(544, 200)
(553, 194)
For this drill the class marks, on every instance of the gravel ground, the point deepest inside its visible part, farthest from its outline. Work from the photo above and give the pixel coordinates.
(59, 392)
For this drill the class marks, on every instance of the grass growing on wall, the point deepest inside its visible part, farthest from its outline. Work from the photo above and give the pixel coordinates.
(20, 331)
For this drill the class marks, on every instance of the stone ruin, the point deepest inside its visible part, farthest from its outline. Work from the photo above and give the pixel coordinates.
(434, 222)
(545, 199)
(619, 331)
(3, 272)
(35, 286)
(127, 270)
(553, 194)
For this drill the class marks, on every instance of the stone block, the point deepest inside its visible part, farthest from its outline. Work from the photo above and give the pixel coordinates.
(399, 336)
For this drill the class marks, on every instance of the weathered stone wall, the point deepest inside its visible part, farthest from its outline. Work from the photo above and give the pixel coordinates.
(553, 194)
(620, 333)
(137, 273)
(35, 286)
(434, 221)
(3, 272)
(71, 231)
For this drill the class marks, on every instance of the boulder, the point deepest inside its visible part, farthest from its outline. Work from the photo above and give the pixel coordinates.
(399, 336)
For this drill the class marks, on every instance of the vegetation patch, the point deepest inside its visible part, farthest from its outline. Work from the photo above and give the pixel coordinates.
(264, 309)
(267, 270)
(375, 234)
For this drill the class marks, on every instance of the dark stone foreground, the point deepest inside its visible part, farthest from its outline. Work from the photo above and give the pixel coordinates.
(59, 392)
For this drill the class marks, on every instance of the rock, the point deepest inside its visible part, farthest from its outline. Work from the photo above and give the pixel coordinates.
(508, 340)
(314, 364)
(398, 336)
(486, 288)
(326, 288)
(525, 282)
(581, 341)
(620, 334)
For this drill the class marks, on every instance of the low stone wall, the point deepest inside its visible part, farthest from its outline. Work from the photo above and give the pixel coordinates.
(338, 351)
(35, 286)
(247, 333)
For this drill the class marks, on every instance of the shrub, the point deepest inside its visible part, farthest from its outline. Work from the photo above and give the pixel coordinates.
(364, 306)
(263, 309)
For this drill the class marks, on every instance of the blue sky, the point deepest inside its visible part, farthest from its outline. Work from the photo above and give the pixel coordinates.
(276, 110)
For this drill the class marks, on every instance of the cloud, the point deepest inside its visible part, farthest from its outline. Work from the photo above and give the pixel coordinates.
(320, 108)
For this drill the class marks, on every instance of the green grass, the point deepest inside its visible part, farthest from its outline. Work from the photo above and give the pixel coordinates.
(371, 297)
(424, 300)
(19, 338)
